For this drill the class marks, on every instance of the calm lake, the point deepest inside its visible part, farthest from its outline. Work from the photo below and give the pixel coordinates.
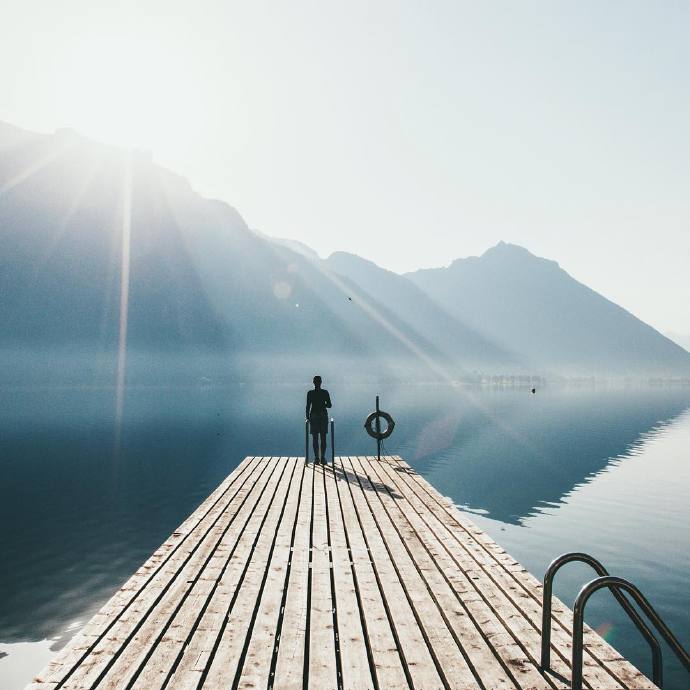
(84, 499)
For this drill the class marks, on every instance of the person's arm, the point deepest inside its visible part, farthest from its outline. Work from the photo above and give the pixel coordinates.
(306, 414)
(328, 399)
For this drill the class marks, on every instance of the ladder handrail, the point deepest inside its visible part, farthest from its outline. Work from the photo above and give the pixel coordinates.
(547, 594)
(616, 584)
(333, 441)
(306, 440)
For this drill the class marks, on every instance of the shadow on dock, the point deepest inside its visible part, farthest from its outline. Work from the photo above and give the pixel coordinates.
(363, 480)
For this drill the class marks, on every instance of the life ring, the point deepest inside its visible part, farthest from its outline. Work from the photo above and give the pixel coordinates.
(371, 430)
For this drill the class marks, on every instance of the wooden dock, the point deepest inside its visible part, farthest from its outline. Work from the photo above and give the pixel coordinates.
(357, 575)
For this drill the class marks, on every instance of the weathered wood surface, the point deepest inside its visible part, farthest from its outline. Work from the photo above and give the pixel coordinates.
(357, 575)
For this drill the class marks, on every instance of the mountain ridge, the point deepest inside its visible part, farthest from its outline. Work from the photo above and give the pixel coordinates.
(507, 277)
(207, 290)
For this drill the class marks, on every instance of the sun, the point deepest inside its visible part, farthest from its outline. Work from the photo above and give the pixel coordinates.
(133, 87)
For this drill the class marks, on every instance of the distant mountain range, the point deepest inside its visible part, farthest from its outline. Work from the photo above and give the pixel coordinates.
(533, 307)
(92, 234)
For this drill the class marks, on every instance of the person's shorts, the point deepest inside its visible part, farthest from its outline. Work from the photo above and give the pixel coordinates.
(318, 424)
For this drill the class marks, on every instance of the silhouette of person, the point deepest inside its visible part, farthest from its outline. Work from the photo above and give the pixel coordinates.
(318, 400)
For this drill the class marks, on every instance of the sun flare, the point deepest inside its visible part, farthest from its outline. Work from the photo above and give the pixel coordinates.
(135, 88)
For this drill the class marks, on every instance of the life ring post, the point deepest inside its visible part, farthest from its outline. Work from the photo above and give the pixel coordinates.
(378, 429)
(372, 424)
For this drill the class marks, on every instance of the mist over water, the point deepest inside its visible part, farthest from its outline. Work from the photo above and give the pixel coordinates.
(87, 496)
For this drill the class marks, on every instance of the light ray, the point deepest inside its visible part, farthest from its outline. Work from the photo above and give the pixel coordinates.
(34, 168)
(90, 173)
(418, 352)
(124, 293)
(376, 315)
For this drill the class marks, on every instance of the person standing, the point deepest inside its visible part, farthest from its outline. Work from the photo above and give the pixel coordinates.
(318, 401)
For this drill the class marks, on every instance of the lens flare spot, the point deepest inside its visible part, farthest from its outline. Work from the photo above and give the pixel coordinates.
(605, 631)
(436, 436)
(281, 289)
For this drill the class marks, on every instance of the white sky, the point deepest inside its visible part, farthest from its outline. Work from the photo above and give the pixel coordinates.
(411, 133)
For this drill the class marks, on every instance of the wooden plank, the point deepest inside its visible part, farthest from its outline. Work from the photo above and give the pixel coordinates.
(503, 576)
(322, 670)
(447, 653)
(354, 653)
(415, 651)
(163, 586)
(176, 628)
(598, 652)
(388, 665)
(480, 655)
(227, 659)
(360, 576)
(484, 575)
(192, 652)
(124, 650)
(66, 662)
(212, 643)
(255, 671)
(289, 663)
(488, 633)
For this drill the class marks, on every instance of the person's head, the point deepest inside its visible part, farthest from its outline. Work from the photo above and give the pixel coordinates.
(317, 382)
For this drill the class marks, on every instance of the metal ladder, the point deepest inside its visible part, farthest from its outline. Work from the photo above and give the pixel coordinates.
(617, 585)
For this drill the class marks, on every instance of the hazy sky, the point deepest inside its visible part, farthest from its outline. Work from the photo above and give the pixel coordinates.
(411, 133)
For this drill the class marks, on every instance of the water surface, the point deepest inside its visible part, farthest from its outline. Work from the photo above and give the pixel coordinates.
(85, 498)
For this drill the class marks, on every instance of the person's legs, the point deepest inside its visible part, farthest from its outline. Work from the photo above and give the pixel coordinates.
(315, 442)
(323, 447)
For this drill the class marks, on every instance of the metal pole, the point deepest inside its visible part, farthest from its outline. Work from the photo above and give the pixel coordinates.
(614, 583)
(306, 441)
(378, 430)
(547, 592)
(333, 441)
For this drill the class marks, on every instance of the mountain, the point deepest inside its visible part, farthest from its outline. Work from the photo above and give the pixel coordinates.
(556, 324)
(205, 295)
(450, 335)
(294, 245)
(682, 339)
(107, 259)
